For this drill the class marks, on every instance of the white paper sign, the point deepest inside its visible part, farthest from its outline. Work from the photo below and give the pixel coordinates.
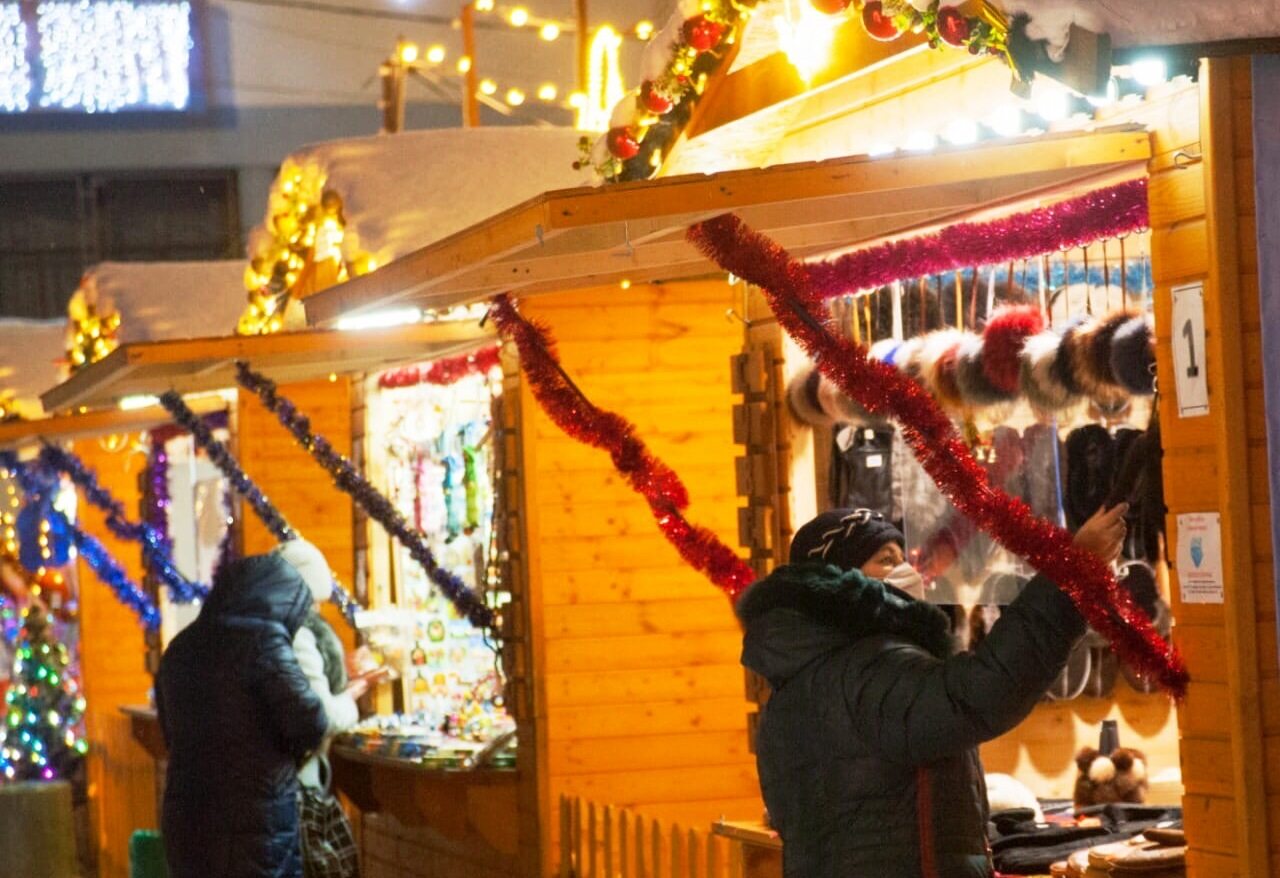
(1200, 558)
(1188, 351)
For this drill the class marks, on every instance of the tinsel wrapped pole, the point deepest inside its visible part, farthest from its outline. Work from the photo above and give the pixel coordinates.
(92, 551)
(936, 443)
(469, 605)
(156, 552)
(572, 412)
(244, 486)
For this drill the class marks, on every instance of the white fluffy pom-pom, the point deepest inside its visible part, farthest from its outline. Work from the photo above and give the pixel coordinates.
(1102, 770)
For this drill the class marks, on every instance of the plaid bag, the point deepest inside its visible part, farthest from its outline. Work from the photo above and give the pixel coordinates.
(328, 844)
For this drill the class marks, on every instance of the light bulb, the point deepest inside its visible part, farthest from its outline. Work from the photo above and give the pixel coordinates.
(549, 31)
(515, 97)
(519, 17)
(435, 54)
(408, 52)
(644, 30)
(464, 64)
(577, 100)
(488, 86)
(547, 92)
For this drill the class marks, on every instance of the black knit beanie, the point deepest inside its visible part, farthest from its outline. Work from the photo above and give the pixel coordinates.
(847, 538)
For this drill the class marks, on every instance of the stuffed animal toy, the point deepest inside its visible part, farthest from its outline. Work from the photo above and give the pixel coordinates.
(1118, 777)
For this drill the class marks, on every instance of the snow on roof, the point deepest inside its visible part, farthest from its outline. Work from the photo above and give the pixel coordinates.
(31, 355)
(1143, 23)
(404, 191)
(168, 300)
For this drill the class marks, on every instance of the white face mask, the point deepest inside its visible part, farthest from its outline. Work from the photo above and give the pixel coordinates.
(906, 578)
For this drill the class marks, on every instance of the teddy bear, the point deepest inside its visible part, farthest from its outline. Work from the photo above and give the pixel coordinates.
(1119, 777)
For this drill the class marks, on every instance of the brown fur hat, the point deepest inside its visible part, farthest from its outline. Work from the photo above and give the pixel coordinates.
(1118, 777)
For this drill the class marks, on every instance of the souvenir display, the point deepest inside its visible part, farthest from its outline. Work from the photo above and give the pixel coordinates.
(435, 453)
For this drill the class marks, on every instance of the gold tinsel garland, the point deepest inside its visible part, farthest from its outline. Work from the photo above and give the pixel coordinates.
(302, 250)
(90, 335)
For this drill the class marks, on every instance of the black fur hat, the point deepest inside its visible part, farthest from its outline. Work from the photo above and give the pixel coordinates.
(1133, 357)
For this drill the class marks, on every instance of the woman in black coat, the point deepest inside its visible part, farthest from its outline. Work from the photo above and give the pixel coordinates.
(238, 716)
(867, 747)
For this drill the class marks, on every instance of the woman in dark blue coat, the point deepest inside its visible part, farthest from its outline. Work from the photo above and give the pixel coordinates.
(868, 745)
(238, 716)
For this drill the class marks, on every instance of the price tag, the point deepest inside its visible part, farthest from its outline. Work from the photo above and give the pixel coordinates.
(1188, 351)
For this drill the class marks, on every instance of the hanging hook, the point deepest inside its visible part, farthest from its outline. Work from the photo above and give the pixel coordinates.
(1185, 158)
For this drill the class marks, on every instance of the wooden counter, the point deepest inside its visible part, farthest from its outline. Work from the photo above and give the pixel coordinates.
(761, 847)
(467, 818)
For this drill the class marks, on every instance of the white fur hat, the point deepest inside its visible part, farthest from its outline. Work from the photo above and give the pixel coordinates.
(310, 563)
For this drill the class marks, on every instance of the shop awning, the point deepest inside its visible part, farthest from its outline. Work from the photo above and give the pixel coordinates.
(105, 422)
(635, 231)
(208, 364)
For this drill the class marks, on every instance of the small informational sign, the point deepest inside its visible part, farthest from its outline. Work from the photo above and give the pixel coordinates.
(1189, 369)
(1200, 558)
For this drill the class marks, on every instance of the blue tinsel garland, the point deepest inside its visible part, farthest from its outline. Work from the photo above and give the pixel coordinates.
(344, 474)
(35, 484)
(244, 486)
(156, 552)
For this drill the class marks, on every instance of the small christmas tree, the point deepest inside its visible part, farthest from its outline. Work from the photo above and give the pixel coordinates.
(43, 727)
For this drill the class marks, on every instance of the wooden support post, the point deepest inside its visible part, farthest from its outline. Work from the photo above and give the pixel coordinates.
(583, 45)
(470, 103)
(392, 73)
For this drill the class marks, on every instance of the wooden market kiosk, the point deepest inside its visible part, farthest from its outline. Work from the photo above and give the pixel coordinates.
(569, 252)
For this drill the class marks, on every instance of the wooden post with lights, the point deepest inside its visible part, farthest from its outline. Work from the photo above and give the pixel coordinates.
(393, 72)
(584, 43)
(470, 103)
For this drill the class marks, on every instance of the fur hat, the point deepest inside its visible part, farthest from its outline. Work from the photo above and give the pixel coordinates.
(976, 387)
(907, 357)
(938, 367)
(310, 564)
(1090, 470)
(1090, 350)
(884, 350)
(837, 406)
(1007, 331)
(1133, 356)
(1038, 374)
(802, 398)
(1064, 364)
(1120, 776)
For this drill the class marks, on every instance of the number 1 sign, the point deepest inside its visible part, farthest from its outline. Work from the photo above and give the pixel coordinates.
(1188, 350)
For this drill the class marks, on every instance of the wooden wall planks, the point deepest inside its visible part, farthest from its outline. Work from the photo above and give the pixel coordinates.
(113, 655)
(640, 692)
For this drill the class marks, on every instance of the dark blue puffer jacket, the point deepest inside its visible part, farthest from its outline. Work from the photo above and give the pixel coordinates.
(238, 715)
(867, 747)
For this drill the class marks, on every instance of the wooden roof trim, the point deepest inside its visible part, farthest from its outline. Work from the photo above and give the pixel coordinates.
(16, 434)
(637, 226)
(199, 365)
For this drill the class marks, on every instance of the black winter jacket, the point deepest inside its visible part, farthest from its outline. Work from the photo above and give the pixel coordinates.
(238, 715)
(867, 747)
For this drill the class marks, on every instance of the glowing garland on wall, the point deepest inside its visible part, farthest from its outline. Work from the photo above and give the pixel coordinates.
(306, 249)
(90, 335)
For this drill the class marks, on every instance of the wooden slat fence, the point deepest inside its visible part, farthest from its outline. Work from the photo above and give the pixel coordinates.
(601, 841)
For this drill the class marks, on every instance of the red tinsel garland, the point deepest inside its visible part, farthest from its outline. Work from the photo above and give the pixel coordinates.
(1103, 213)
(444, 372)
(647, 475)
(938, 446)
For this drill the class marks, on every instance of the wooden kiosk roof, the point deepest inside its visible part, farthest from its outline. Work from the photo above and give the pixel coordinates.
(208, 364)
(14, 434)
(636, 231)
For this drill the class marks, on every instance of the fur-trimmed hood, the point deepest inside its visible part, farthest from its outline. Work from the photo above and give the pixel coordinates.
(801, 612)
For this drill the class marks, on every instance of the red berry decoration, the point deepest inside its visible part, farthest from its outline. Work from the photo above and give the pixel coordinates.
(879, 25)
(622, 143)
(830, 7)
(953, 27)
(654, 102)
(702, 33)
